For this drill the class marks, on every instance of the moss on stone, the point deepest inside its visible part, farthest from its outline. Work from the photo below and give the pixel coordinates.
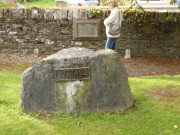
(61, 94)
(81, 92)
(78, 98)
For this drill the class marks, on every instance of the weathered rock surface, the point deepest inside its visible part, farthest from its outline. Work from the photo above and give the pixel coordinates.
(107, 90)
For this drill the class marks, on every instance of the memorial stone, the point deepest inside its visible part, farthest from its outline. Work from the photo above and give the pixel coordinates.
(75, 80)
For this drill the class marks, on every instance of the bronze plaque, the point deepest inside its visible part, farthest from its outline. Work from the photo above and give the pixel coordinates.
(87, 29)
(70, 74)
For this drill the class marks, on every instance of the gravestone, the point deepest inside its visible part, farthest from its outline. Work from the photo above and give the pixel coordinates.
(127, 54)
(75, 80)
(36, 52)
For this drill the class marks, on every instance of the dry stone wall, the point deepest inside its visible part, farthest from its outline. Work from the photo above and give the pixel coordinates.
(50, 30)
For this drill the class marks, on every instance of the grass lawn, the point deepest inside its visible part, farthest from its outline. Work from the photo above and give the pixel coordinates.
(41, 3)
(152, 114)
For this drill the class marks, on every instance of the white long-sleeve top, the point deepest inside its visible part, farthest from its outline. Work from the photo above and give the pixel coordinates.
(113, 18)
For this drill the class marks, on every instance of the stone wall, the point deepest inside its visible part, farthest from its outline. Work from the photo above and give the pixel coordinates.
(50, 30)
(159, 37)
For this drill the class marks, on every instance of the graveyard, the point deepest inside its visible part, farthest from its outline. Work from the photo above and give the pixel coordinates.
(155, 93)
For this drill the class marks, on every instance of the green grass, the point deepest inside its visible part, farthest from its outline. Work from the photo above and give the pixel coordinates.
(5, 5)
(149, 116)
(41, 3)
(14, 67)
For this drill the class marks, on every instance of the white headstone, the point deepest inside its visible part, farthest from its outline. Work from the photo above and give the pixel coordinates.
(36, 52)
(127, 54)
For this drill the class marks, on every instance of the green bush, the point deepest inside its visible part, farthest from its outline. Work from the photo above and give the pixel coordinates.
(121, 2)
(6, 5)
(32, 0)
(27, 0)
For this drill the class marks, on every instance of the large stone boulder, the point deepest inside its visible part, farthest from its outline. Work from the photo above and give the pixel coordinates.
(107, 89)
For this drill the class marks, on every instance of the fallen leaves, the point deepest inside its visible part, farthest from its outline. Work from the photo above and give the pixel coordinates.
(138, 66)
(17, 63)
(135, 66)
(80, 123)
(161, 93)
(175, 126)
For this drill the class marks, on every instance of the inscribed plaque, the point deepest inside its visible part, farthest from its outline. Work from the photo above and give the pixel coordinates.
(87, 29)
(69, 74)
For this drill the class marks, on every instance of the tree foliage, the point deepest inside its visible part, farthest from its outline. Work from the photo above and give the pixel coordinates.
(121, 2)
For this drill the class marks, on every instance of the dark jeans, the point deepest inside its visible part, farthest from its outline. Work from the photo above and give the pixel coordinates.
(110, 43)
